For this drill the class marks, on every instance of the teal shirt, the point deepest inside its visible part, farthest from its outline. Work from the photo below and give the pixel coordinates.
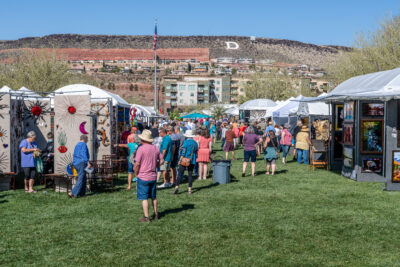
(190, 149)
(132, 148)
(166, 144)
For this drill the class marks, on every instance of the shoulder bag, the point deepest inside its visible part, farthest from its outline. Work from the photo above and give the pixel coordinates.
(185, 162)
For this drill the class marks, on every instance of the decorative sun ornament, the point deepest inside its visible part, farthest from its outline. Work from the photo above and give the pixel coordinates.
(36, 111)
(71, 110)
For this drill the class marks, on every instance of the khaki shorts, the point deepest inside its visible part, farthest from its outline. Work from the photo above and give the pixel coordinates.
(166, 166)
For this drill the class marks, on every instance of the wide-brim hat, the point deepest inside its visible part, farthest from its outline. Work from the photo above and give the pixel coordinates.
(189, 133)
(146, 136)
(304, 128)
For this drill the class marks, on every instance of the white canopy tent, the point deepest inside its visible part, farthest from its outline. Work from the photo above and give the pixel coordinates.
(95, 93)
(6, 89)
(234, 111)
(286, 106)
(310, 108)
(383, 85)
(257, 104)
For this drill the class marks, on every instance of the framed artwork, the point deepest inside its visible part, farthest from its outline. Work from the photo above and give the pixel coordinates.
(348, 152)
(339, 117)
(373, 109)
(372, 136)
(348, 134)
(371, 164)
(348, 163)
(338, 146)
(348, 111)
(396, 166)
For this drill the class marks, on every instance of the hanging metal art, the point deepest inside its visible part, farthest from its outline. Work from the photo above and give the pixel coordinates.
(62, 141)
(71, 110)
(65, 161)
(3, 134)
(3, 160)
(2, 106)
(82, 128)
(103, 137)
(35, 110)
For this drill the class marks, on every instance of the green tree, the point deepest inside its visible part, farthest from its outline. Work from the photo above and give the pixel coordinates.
(272, 86)
(40, 72)
(372, 52)
(218, 111)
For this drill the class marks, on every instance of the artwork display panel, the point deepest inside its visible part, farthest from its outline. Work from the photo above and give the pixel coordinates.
(5, 134)
(348, 111)
(396, 166)
(348, 134)
(37, 118)
(371, 164)
(348, 157)
(373, 109)
(339, 117)
(72, 119)
(103, 128)
(372, 136)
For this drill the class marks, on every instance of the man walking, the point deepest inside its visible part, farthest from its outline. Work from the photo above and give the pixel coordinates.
(80, 162)
(147, 160)
(166, 153)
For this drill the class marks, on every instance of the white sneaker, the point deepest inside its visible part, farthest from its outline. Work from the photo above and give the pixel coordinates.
(162, 186)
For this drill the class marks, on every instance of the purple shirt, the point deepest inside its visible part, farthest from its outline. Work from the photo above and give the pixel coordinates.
(249, 141)
(27, 158)
(148, 157)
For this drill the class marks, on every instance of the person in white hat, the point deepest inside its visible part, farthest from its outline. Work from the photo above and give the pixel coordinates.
(188, 151)
(147, 159)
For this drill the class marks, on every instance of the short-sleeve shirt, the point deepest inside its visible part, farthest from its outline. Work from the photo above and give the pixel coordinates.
(27, 158)
(132, 148)
(229, 136)
(249, 141)
(147, 156)
(166, 144)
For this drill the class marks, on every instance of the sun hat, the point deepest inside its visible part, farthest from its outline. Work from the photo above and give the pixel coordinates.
(287, 126)
(146, 136)
(189, 133)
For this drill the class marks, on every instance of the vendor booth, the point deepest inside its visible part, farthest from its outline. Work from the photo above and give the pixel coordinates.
(255, 109)
(365, 140)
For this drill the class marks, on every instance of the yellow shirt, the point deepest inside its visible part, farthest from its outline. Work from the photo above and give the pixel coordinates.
(301, 141)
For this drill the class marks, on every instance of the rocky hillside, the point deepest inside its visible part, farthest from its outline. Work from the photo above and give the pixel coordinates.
(240, 47)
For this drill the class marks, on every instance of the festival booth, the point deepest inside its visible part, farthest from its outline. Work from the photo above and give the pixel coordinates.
(110, 111)
(280, 114)
(144, 114)
(255, 109)
(365, 134)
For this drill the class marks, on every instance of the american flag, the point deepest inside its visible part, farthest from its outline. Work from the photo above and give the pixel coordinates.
(155, 38)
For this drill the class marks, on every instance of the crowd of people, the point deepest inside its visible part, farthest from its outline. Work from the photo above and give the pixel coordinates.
(165, 150)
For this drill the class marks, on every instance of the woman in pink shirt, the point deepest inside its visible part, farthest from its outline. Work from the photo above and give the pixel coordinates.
(286, 142)
(205, 149)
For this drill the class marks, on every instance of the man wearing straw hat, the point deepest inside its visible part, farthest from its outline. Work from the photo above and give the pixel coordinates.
(147, 159)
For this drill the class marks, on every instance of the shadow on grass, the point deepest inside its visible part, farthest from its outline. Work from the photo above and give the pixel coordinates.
(3, 201)
(176, 210)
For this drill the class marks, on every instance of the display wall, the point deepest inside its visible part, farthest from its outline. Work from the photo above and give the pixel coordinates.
(5, 134)
(72, 118)
(103, 113)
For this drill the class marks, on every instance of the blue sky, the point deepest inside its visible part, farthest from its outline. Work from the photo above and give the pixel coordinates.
(319, 22)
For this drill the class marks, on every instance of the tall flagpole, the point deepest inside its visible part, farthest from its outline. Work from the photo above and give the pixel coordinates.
(155, 67)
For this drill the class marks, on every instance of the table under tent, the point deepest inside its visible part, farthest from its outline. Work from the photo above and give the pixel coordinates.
(365, 137)
(255, 109)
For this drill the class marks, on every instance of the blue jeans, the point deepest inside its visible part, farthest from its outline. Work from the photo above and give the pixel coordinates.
(223, 143)
(285, 150)
(305, 156)
(79, 189)
(279, 143)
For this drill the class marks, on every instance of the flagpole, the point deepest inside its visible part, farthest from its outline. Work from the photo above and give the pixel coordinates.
(155, 67)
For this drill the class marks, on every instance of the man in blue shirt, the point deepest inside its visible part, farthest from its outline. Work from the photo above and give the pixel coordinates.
(270, 128)
(80, 162)
(166, 152)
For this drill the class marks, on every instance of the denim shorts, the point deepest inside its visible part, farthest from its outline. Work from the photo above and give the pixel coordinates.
(250, 154)
(130, 167)
(146, 189)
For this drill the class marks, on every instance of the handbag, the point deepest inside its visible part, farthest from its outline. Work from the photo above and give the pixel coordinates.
(38, 164)
(185, 162)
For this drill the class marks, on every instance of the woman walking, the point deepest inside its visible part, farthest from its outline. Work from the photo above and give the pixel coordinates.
(251, 142)
(271, 152)
(213, 132)
(303, 143)
(188, 157)
(229, 143)
(205, 149)
(286, 142)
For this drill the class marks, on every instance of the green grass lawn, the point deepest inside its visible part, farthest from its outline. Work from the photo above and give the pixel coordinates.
(297, 217)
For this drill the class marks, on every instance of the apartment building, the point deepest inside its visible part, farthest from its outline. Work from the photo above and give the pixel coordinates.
(238, 89)
(195, 91)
